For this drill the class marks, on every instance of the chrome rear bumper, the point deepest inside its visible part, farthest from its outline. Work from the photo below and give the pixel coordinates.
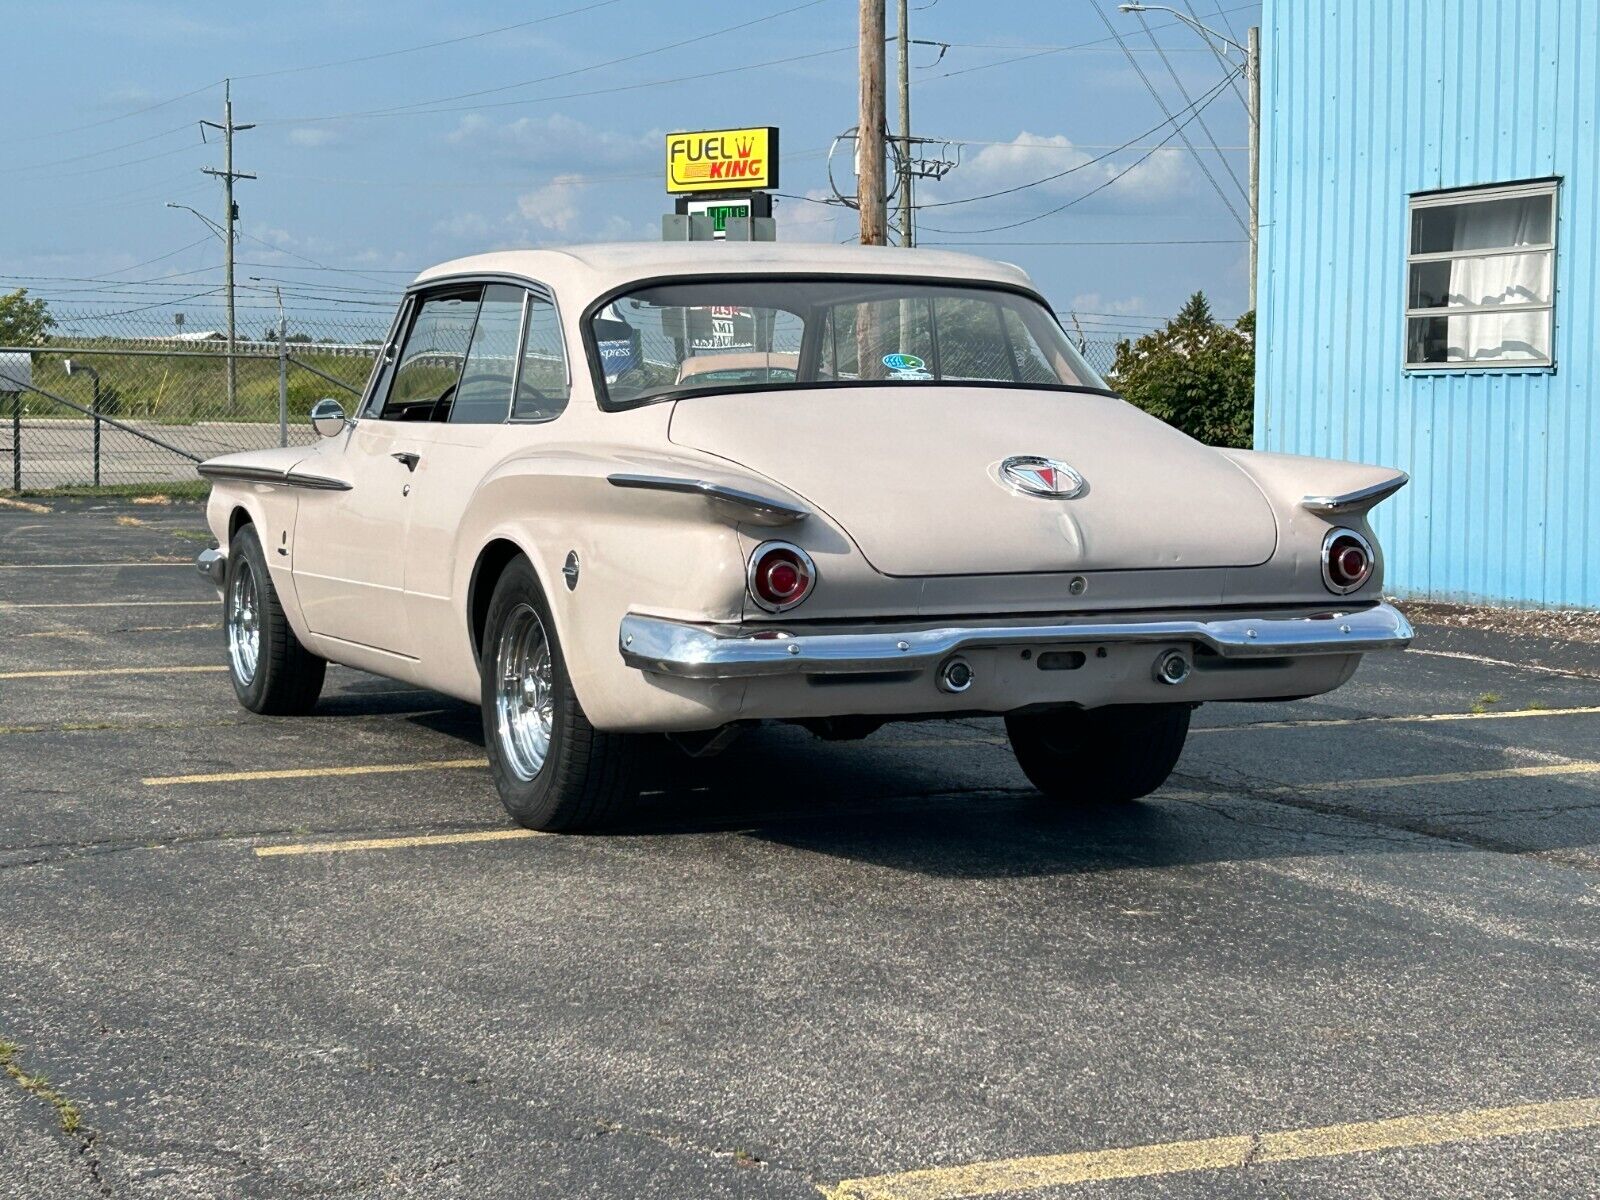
(660, 646)
(213, 564)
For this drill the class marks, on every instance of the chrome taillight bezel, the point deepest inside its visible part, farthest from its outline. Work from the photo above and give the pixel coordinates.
(1328, 581)
(760, 552)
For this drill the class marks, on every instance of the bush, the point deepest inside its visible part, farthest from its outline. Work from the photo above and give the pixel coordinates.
(1194, 373)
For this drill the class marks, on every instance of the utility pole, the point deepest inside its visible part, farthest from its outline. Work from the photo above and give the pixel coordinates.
(869, 152)
(907, 234)
(1252, 83)
(230, 212)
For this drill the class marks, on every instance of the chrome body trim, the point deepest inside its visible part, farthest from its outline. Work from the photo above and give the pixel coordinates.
(659, 646)
(1356, 501)
(753, 509)
(213, 565)
(1327, 573)
(272, 475)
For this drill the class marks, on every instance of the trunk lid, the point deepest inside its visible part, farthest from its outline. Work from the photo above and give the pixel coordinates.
(911, 475)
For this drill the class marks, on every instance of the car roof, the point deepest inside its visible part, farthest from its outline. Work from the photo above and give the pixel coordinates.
(592, 270)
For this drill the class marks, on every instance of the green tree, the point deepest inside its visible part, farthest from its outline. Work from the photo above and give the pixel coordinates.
(1194, 373)
(24, 322)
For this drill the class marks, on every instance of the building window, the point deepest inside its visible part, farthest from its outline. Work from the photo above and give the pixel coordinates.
(1480, 278)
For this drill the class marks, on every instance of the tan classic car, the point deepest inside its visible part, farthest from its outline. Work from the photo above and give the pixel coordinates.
(902, 494)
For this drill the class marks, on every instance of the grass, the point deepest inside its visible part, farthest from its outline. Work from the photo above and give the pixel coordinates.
(149, 493)
(183, 389)
(39, 1087)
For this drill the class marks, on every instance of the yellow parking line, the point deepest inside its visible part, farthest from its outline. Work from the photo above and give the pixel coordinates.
(448, 764)
(1334, 785)
(10, 604)
(23, 505)
(75, 566)
(1210, 1154)
(398, 843)
(1400, 719)
(76, 673)
(69, 633)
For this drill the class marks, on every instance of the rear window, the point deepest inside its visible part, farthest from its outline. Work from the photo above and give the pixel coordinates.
(756, 334)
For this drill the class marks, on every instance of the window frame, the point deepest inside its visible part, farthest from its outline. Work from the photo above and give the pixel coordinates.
(371, 407)
(1549, 188)
(597, 378)
(537, 291)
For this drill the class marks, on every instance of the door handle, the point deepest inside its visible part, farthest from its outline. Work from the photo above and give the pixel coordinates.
(411, 460)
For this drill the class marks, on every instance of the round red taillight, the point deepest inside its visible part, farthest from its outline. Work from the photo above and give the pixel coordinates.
(780, 576)
(1346, 561)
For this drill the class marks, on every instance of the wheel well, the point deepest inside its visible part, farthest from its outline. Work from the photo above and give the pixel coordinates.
(492, 561)
(237, 520)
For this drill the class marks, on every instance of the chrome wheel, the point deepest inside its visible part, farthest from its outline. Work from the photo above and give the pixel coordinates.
(524, 698)
(243, 622)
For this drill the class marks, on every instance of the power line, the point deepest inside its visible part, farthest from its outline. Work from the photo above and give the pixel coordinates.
(1194, 107)
(1176, 129)
(1048, 50)
(1110, 242)
(468, 37)
(423, 106)
(1162, 105)
(1184, 92)
(55, 162)
(36, 137)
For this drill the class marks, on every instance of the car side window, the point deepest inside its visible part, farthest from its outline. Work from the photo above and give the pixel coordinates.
(542, 388)
(429, 366)
(483, 397)
(1033, 363)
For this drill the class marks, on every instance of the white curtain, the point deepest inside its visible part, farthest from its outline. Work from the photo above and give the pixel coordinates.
(1501, 279)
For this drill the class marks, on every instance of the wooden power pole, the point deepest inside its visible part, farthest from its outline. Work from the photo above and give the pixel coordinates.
(869, 162)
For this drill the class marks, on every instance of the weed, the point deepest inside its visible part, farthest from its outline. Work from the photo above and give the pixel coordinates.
(39, 1087)
(1489, 698)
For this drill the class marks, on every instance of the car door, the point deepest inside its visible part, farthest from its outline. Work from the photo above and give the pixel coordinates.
(515, 351)
(349, 555)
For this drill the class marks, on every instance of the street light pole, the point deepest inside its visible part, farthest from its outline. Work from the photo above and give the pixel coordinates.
(1251, 53)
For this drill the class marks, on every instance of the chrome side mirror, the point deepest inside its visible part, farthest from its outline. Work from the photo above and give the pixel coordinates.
(327, 417)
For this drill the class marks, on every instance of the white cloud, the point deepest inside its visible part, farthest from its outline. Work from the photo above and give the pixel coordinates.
(1161, 177)
(313, 135)
(801, 221)
(555, 206)
(555, 139)
(1094, 302)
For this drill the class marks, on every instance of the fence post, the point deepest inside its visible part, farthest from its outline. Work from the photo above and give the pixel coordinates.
(283, 379)
(16, 441)
(96, 410)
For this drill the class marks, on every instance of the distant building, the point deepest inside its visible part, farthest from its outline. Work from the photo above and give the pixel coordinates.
(198, 335)
(1429, 271)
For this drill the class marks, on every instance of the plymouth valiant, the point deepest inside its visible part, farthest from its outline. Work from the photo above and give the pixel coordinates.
(611, 493)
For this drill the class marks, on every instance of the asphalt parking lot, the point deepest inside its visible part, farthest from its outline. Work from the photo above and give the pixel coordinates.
(1352, 949)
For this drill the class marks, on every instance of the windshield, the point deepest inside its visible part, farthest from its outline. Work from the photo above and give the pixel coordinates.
(759, 334)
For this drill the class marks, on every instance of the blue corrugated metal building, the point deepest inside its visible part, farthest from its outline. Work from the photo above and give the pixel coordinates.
(1429, 263)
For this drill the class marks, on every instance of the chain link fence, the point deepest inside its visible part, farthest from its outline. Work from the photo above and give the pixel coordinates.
(143, 404)
(123, 399)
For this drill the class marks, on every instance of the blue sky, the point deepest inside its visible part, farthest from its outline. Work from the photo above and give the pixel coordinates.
(551, 132)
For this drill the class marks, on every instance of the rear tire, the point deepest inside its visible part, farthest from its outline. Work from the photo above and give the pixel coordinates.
(272, 672)
(1106, 755)
(554, 771)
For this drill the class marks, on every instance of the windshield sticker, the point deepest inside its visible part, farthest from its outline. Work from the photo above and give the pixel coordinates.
(903, 362)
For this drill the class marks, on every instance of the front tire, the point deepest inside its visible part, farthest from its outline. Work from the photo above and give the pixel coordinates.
(272, 672)
(554, 771)
(1099, 755)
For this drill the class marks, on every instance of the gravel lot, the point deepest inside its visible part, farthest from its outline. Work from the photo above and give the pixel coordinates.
(1353, 949)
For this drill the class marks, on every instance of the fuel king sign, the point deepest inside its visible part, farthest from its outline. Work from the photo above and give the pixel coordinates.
(721, 160)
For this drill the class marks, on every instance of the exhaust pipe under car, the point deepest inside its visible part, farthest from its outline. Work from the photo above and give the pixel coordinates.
(1172, 667)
